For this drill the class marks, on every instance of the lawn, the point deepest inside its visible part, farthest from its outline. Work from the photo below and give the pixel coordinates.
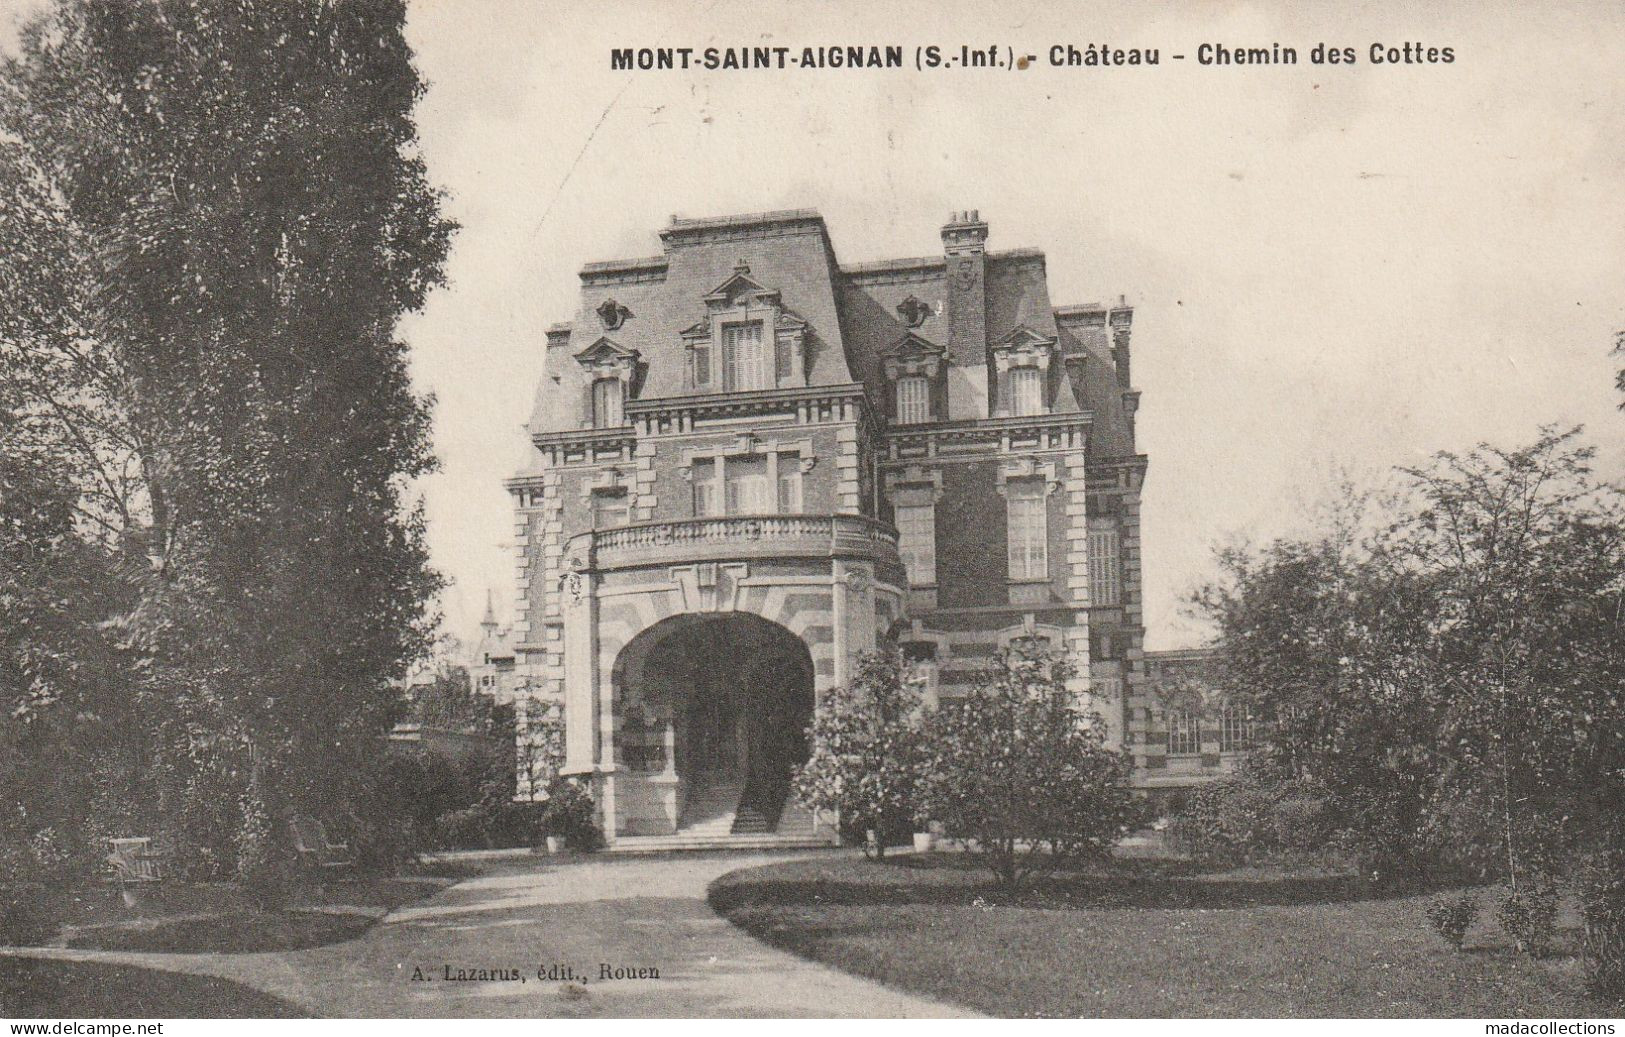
(221, 918)
(40, 988)
(1144, 939)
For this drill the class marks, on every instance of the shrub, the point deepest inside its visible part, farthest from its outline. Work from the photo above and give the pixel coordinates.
(1603, 942)
(569, 814)
(864, 761)
(1249, 818)
(24, 920)
(1452, 916)
(1017, 767)
(1529, 916)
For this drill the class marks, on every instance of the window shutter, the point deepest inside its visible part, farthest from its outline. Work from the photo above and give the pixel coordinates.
(783, 360)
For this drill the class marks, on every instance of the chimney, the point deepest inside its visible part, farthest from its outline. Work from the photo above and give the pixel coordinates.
(965, 234)
(1121, 321)
(964, 244)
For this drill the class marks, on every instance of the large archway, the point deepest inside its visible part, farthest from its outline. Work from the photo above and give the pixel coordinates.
(720, 703)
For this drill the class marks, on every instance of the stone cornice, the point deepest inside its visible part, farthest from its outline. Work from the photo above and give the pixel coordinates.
(1075, 423)
(623, 434)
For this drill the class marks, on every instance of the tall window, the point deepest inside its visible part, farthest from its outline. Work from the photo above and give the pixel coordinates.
(609, 509)
(744, 359)
(789, 484)
(1184, 734)
(917, 542)
(746, 486)
(1235, 729)
(1105, 568)
(705, 488)
(1029, 544)
(913, 400)
(608, 395)
(1026, 391)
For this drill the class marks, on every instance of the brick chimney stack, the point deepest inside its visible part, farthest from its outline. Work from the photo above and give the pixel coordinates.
(964, 244)
(1121, 321)
(965, 234)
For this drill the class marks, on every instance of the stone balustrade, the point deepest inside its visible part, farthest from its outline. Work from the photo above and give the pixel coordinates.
(742, 537)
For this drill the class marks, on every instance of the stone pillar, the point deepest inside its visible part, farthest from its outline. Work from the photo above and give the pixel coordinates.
(581, 672)
(1075, 483)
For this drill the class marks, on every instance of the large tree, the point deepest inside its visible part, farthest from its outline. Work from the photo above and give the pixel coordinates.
(1455, 675)
(238, 218)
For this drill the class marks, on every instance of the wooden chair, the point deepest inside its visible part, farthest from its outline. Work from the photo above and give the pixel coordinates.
(315, 849)
(135, 862)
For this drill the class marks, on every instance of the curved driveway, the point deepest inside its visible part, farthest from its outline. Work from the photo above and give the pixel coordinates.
(634, 914)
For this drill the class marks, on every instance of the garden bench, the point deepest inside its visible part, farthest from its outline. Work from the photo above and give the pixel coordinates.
(315, 848)
(134, 861)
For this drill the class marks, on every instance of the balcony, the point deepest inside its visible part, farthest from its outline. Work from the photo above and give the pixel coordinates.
(740, 537)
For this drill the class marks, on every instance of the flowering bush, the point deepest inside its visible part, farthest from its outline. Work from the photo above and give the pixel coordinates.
(864, 752)
(1017, 767)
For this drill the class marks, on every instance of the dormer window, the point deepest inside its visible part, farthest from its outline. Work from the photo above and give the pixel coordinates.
(913, 399)
(744, 359)
(914, 365)
(747, 341)
(1022, 360)
(608, 403)
(1026, 391)
(612, 374)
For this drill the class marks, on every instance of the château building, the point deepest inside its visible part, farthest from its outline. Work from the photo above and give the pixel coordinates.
(753, 463)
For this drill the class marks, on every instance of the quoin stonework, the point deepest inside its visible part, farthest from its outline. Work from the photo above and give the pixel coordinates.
(753, 463)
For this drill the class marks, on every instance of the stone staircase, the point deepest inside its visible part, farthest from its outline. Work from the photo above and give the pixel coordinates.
(711, 810)
(715, 819)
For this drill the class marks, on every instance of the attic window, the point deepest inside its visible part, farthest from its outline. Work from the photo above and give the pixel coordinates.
(744, 360)
(1026, 391)
(913, 399)
(608, 403)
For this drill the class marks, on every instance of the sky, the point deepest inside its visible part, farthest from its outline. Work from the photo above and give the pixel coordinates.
(1332, 267)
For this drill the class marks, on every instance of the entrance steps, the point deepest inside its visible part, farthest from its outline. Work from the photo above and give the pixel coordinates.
(712, 809)
(684, 840)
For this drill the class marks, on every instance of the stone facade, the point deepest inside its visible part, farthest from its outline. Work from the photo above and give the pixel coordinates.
(746, 450)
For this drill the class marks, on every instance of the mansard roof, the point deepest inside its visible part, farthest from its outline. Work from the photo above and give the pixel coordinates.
(788, 253)
(853, 315)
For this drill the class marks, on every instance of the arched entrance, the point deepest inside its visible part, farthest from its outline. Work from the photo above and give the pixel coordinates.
(719, 704)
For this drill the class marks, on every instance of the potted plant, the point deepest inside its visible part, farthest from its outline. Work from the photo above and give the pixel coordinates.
(925, 840)
(567, 819)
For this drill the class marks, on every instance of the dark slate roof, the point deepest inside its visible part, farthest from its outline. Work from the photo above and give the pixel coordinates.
(851, 312)
(787, 251)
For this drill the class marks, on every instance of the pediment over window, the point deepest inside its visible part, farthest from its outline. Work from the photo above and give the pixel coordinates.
(605, 359)
(1023, 347)
(741, 289)
(1021, 335)
(912, 354)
